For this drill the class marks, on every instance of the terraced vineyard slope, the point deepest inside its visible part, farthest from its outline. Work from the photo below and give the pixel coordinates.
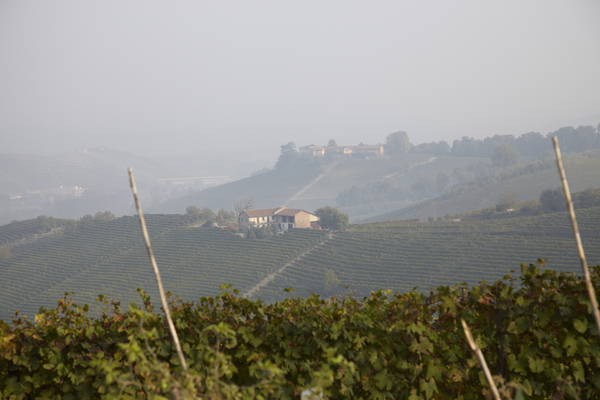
(406, 169)
(18, 230)
(297, 187)
(402, 256)
(269, 189)
(111, 259)
(527, 182)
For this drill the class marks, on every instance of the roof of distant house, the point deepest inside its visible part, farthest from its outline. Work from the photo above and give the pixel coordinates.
(360, 146)
(273, 211)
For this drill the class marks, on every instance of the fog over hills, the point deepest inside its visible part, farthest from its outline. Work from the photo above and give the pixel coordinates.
(157, 79)
(192, 95)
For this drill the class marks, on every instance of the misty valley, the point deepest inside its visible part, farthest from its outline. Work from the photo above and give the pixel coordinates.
(445, 229)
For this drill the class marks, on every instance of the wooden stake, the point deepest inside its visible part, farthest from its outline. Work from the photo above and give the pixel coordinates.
(481, 359)
(161, 291)
(584, 266)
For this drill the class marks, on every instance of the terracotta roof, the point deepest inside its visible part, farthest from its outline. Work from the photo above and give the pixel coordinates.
(260, 213)
(289, 212)
(363, 146)
(311, 147)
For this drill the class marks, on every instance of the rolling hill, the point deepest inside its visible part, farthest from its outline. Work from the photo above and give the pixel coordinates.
(401, 256)
(527, 182)
(91, 180)
(110, 258)
(310, 186)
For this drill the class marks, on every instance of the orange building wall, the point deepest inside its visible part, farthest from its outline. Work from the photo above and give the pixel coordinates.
(302, 220)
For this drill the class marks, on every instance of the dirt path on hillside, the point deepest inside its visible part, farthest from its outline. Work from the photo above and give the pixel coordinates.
(265, 281)
(33, 238)
(412, 166)
(311, 184)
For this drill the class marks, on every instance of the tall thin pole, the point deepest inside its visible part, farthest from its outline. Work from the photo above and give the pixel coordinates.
(584, 266)
(161, 291)
(481, 359)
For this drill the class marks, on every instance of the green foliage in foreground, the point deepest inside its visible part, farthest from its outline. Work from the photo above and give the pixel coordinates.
(536, 332)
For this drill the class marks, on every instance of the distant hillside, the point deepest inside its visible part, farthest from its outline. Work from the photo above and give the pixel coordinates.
(91, 180)
(269, 189)
(69, 186)
(405, 169)
(111, 259)
(527, 182)
(311, 186)
(401, 256)
(93, 169)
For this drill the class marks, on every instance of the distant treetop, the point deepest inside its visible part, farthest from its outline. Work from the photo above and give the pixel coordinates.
(397, 143)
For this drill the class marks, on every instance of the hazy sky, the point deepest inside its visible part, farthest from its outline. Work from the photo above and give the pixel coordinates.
(158, 77)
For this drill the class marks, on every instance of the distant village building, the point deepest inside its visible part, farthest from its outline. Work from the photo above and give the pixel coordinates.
(285, 218)
(342, 150)
(376, 150)
(314, 150)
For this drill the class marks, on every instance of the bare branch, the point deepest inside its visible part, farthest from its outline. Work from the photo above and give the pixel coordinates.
(161, 291)
(481, 359)
(243, 204)
(584, 266)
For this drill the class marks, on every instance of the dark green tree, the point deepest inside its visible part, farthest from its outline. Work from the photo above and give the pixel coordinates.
(208, 214)
(331, 281)
(288, 157)
(331, 143)
(224, 215)
(505, 156)
(587, 198)
(192, 210)
(332, 218)
(70, 226)
(264, 232)
(506, 201)
(397, 143)
(105, 216)
(45, 224)
(553, 199)
(85, 222)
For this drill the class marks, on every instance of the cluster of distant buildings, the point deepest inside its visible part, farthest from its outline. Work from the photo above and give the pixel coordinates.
(47, 195)
(315, 151)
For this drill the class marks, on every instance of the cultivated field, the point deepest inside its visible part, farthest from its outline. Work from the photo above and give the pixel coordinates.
(111, 259)
(403, 256)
